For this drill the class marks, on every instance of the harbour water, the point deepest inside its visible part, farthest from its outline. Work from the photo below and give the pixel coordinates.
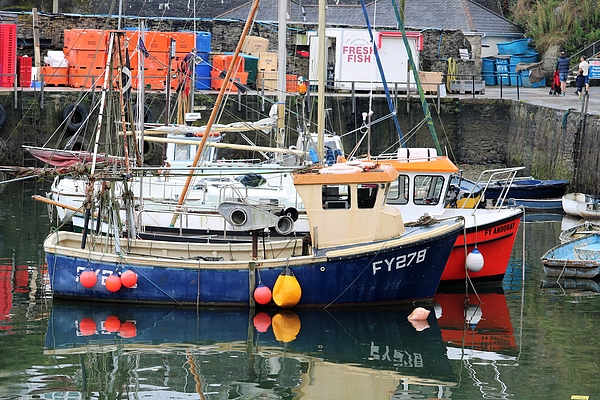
(522, 339)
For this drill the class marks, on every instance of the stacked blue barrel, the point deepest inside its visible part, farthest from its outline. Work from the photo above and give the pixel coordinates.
(502, 69)
(203, 66)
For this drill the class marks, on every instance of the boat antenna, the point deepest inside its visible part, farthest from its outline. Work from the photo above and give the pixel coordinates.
(216, 107)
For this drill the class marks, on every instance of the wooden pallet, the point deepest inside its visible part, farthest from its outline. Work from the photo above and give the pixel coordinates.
(466, 86)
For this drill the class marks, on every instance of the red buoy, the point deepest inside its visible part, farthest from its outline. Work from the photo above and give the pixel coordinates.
(262, 294)
(129, 278)
(112, 324)
(113, 283)
(262, 321)
(88, 278)
(87, 327)
(127, 330)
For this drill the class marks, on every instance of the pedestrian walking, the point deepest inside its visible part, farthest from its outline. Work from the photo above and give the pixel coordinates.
(584, 67)
(580, 83)
(562, 66)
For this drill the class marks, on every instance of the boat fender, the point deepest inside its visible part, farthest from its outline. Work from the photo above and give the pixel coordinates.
(475, 261)
(418, 319)
(113, 283)
(287, 290)
(88, 278)
(2, 115)
(262, 294)
(149, 150)
(148, 117)
(286, 326)
(129, 278)
(75, 115)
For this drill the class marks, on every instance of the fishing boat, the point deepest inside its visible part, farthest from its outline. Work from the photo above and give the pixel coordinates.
(574, 203)
(371, 351)
(358, 252)
(527, 188)
(578, 231)
(579, 258)
(427, 185)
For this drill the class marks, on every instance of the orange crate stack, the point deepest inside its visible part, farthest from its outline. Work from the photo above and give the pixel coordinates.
(85, 77)
(85, 39)
(221, 62)
(55, 76)
(216, 83)
(157, 41)
(86, 58)
(184, 41)
(153, 79)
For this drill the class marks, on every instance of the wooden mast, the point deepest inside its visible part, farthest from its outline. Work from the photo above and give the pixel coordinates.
(215, 110)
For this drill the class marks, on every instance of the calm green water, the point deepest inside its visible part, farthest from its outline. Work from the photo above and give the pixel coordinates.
(535, 340)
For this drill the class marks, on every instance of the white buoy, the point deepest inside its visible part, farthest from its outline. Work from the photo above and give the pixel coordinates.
(475, 261)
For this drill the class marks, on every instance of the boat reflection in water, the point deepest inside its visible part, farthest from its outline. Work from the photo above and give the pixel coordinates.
(478, 333)
(234, 354)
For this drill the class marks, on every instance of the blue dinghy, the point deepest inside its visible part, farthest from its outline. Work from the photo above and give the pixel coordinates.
(578, 258)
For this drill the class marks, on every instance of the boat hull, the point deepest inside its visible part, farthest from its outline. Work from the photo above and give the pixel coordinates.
(579, 258)
(494, 241)
(529, 189)
(400, 270)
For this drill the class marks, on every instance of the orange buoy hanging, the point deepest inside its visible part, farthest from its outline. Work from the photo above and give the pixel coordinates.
(112, 324)
(88, 278)
(113, 282)
(262, 294)
(129, 278)
(87, 327)
(286, 326)
(262, 321)
(287, 290)
(128, 330)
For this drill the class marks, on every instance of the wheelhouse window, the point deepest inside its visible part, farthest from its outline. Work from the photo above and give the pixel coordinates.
(336, 196)
(428, 189)
(399, 190)
(366, 194)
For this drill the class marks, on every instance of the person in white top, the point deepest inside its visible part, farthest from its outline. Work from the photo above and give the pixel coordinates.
(584, 66)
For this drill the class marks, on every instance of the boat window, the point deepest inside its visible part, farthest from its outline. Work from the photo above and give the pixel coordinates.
(428, 189)
(366, 195)
(336, 196)
(399, 190)
(182, 152)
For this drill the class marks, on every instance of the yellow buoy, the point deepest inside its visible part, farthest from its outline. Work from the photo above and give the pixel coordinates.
(287, 291)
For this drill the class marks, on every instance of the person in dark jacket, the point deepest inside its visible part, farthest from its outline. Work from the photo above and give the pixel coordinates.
(580, 83)
(562, 66)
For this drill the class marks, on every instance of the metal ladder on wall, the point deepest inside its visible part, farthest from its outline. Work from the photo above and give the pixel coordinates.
(577, 142)
(29, 109)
